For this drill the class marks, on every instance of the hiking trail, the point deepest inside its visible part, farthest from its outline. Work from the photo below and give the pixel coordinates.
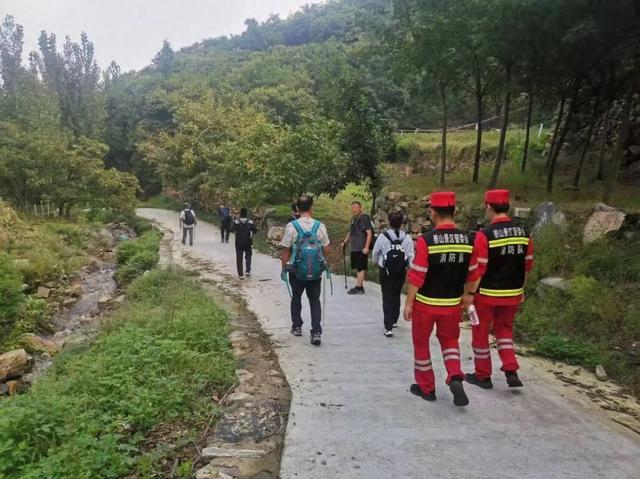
(352, 416)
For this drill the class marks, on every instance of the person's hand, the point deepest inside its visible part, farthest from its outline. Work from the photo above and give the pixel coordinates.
(365, 251)
(283, 275)
(467, 301)
(408, 312)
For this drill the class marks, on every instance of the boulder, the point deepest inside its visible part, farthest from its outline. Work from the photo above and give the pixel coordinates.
(275, 233)
(4, 389)
(547, 214)
(35, 344)
(603, 220)
(519, 212)
(69, 301)
(74, 290)
(43, 292)
(13, 364)
(601, 374)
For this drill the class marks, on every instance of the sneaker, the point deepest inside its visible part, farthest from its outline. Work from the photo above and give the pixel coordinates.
(296, 331)
(388, 333)
(513, 381)
(248, 274)
(415, 389)
(457, 389)
(241, 277)
(475, 380)
(315, 339)
(356, 290)
(395, 325)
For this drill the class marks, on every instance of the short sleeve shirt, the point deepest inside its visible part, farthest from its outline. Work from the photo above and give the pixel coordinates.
(359, 227)
(291, 235)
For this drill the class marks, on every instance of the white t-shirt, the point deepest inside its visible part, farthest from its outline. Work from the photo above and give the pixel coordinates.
(306, 223)
(183, 217)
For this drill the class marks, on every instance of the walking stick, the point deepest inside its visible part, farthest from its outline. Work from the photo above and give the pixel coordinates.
(344, 261)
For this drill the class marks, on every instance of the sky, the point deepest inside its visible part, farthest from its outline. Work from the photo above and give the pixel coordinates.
(131, 31)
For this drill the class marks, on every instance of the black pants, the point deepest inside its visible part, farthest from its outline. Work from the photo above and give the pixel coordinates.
(225, 229)
(243, 252)
(391, 292)
(184, 235)
(313, 293)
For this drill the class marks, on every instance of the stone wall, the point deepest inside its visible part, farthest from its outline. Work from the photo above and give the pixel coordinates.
(414, 210)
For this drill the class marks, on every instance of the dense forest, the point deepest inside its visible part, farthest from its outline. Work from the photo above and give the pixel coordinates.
(311, 102)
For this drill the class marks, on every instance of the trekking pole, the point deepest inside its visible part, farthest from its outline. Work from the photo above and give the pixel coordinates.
(324, 302)
(286, 281)
(344, 261)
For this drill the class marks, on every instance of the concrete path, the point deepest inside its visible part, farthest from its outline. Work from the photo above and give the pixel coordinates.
(353, 417)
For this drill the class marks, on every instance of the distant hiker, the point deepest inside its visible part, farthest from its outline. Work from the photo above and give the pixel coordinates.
(360, 237)
(225, 223)
(393, 252)
(504, 254)
(305, 244)
(244, 230)
(436, 284)
(188, 222)
(295, 212)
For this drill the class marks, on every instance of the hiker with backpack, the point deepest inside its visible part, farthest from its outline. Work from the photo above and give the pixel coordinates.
(393, 252)
(225, 223)
(244, 229)
(360, 237)
(304, 246)
(188, 223)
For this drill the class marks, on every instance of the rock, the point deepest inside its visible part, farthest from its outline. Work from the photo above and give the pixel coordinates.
(519, 212)
(601, 374)
(555, 282)
(35, 344)
(547, 214)
(603, 220)
(213, 452)
(257, 420)
(69, 301)
(50, 284)
(394, 196)
(74, 290)
(239, 396)
(43, 292)
(243, 375)
(634, 150)
(15, 386)
(13, 364)
(119, 299)
(4, 389)
(104, 299)
(275, 233)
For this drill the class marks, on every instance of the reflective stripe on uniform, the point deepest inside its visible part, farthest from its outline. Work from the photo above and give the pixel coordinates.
(451, 350)
(438, 301)
(451, 357)
(508, 242)
(504, 340)
(421, 362)
(506, 346)
(473, 267)
(529, 257)
(421, 269)
(422, 368)
(483, 260)
(477, 350)
(501, 293)
(482, 356)
(450, 248)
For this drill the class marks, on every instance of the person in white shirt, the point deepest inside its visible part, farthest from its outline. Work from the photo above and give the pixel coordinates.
(188, 222)
(393, 252)
(305, 223)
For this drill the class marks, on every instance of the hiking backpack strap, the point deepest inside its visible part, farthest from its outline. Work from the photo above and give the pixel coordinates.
(315, 228)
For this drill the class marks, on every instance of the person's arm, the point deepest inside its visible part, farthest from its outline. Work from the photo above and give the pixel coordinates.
(180, 218)
(377, 250)
(477, 268)
(195, 218)
(347, 238)
(367, 243)
(417, 274)
(285, 256)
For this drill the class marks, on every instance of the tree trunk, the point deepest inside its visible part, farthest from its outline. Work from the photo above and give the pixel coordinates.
(480, 112)
(623, 133)
(60, 209)
(563, 134)
(374, 197)
(443, 162)
(503, 131)
(587, 141)
(603, 142)
(527, 135)
(556, 129)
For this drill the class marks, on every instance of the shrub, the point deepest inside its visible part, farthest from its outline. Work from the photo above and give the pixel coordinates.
(11, 296)
(137, 256)
(157, 362)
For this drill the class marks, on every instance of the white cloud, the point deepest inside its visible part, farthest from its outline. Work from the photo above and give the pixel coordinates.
(131, 31)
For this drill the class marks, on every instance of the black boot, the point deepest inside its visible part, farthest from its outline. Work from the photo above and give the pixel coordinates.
(483, 383)
(457, 389)
(513, 381)
(415, 389)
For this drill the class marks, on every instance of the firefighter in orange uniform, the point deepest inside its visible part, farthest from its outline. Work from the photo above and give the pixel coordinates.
(436, 285)
(503, 252)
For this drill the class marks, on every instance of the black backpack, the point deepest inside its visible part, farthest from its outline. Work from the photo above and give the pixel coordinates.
(189, 218)
(395, 261)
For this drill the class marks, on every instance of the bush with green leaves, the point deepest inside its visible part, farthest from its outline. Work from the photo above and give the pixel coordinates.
(11, 296)
(156, 363)
(137, 256)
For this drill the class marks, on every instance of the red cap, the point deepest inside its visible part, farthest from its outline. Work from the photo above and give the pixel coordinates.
(497, 197)
(442, 199)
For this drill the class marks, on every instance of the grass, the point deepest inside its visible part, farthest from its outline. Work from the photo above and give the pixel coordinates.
(121, 406)
(137, 256)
